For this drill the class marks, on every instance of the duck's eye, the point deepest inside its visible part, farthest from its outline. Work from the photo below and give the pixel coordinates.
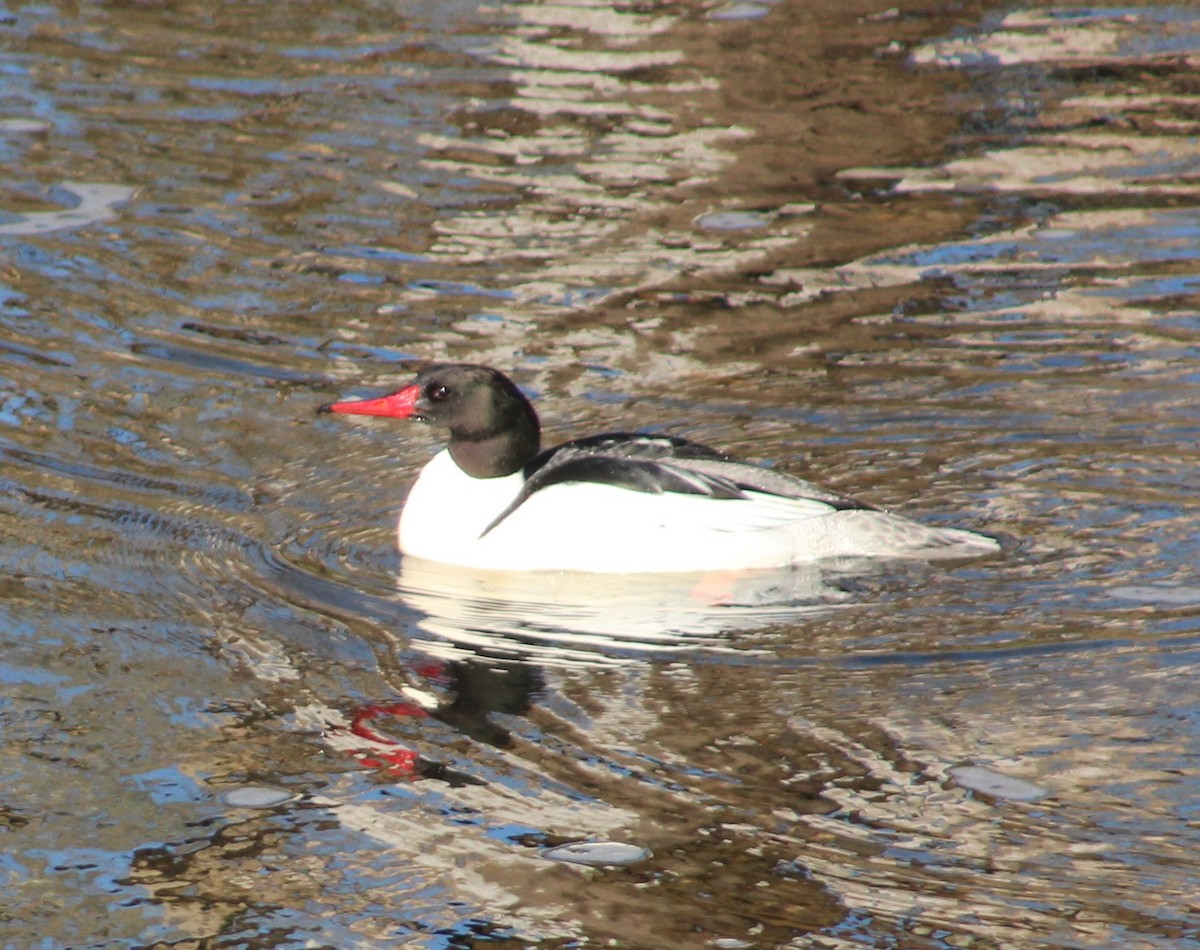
(438, 392)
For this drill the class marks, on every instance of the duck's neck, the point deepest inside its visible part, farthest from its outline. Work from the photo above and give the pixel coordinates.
(500, 452)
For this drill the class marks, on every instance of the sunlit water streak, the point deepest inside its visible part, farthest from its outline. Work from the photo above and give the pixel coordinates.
(201, 594)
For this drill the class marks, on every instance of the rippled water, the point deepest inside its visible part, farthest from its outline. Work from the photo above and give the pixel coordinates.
(945, 259)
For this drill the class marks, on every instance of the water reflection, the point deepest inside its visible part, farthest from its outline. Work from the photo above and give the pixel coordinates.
(200, 595)
(90, 202)
(598, 129)
(565, 618)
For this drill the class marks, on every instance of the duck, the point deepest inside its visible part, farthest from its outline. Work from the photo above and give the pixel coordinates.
(616, 502)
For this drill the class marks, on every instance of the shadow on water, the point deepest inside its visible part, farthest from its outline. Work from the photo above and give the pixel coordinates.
(941, 259)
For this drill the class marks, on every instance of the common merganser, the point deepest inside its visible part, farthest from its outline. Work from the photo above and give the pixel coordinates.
(617, 502)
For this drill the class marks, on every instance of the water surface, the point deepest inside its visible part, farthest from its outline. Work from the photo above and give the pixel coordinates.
(942, 257)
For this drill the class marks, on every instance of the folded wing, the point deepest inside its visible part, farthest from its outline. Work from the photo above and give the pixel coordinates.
(663, 464)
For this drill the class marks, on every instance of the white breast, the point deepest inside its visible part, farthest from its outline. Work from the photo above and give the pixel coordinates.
(447, 511)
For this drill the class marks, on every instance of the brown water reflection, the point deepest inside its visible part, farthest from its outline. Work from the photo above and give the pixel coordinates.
(943, 257)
